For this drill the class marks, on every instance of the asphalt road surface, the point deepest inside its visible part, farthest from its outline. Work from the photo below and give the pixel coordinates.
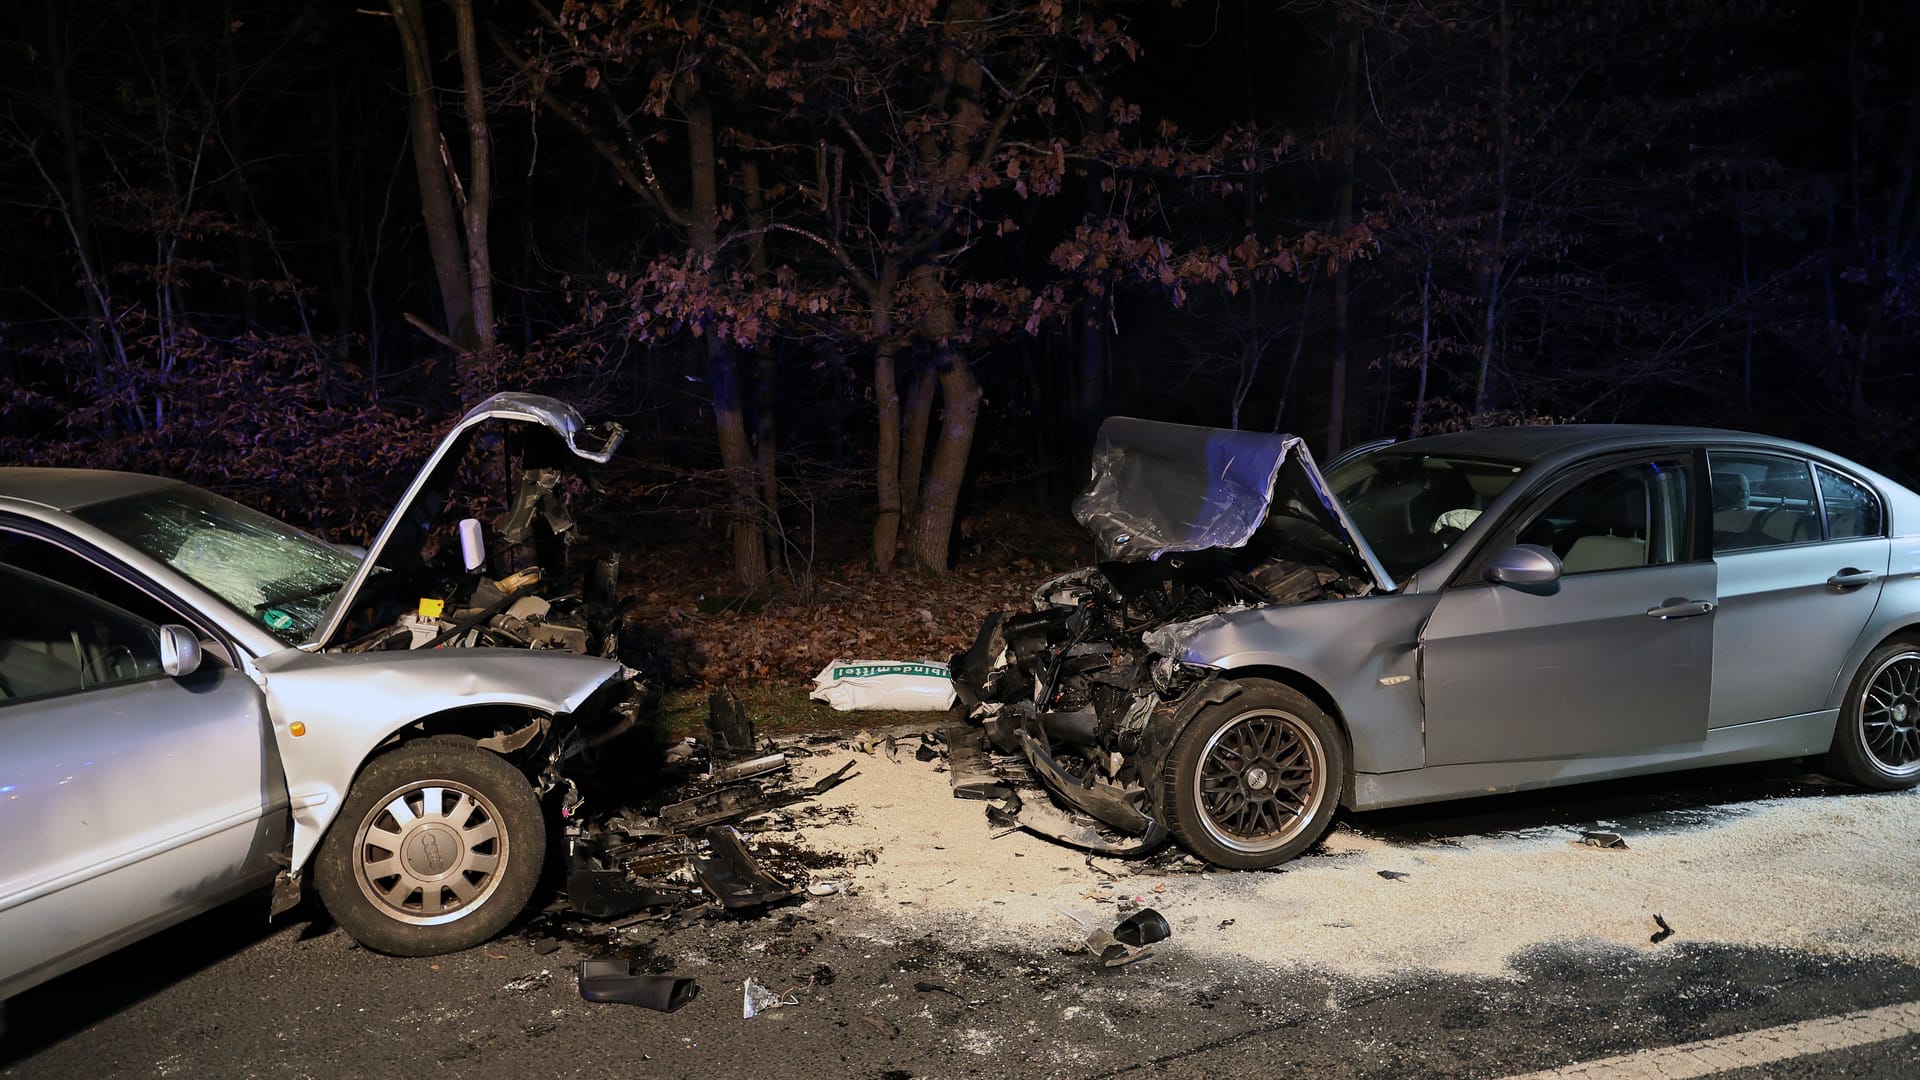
(875, 994)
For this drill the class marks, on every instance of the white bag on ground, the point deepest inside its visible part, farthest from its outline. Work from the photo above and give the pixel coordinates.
(885, 684)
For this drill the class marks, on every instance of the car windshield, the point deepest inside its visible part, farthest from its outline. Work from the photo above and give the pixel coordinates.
(265, 569)
(1411, 507)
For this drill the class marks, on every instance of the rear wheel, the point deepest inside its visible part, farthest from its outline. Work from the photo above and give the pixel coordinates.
(1877, 741)
(1253, 781)
(438, 847)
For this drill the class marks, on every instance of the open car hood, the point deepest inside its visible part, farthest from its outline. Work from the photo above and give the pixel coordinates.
(1161, 487)
(420, 506)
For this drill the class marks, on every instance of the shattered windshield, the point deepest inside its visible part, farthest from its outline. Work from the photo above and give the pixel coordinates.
(1411, 507)
(265, 569)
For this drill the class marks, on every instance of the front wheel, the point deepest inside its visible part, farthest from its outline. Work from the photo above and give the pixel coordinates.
(1877, 742)
(438, 847)
(1253, 781)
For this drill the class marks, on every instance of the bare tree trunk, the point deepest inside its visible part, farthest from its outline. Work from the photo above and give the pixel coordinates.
(479, 191)
(1496, 243)
(766, 372)
(915, 426)
(1342, 342)
(886, 468)
(1426, 344)
(103, 333)
(729, 418)
(959, 416)
(444, 231)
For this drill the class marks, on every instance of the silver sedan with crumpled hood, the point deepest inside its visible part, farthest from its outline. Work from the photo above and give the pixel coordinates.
(183, 717)
(1464, 614)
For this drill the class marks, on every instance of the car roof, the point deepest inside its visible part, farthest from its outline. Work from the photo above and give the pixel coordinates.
(70, 489)
(1529, 444)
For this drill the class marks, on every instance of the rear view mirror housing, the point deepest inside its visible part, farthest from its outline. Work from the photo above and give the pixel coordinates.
(1524, 565)
(179, 650)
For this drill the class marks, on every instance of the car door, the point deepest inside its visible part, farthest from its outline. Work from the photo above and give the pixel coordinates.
(128, 799)
(1612, 658)
(1802, 554)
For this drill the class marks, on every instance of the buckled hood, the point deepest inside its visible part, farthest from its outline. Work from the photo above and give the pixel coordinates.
(1160, 488)
(568, 435)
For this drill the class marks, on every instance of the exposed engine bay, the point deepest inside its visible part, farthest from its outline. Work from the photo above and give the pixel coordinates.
(1089, 688)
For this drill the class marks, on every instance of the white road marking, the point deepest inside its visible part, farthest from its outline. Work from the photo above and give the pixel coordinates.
(1751, 1048)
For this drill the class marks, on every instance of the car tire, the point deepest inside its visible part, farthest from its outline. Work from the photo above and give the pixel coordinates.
(1877, 741)
(467, 843)
(1254, 780)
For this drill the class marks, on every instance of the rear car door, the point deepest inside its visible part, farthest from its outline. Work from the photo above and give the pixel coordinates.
(128, 799)
(1802, 552)
(1614, 657)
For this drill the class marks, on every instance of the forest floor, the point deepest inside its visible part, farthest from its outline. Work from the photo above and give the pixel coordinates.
(830, 606)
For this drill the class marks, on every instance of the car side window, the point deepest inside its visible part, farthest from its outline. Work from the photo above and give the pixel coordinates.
(41, 556)
(1632, 516)
(1761, 501)
(59, 640)
(1853, 510)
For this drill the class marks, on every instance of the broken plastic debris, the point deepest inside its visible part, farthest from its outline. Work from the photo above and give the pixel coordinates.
(1665, 930)
(538, 980)
(743, 770)
(1393, 875)
(757, 999)
(1602, 840)
(615, 980)
(733, 877)
(885, 684)
(1143, 927)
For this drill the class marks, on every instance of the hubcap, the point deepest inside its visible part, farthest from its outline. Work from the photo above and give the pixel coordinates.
(430, 852)
(1258, 780)
(1890, 715)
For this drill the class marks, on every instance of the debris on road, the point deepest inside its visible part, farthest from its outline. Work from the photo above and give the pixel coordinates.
(615, 981)
(538, 980)
(1665, 930)
(683, 848)
(1602, 840)
(1143, 927)
(757, 999)
(1393, 875)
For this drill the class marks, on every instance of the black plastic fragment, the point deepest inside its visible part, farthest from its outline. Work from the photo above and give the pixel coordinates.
(1665, 930)
(616, 981)
(727, 726)
(601, 892)
(1393, 875)
(733, 878)
(1602, 840)
(1143, 927)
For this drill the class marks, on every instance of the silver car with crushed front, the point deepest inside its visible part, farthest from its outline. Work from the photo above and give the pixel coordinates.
(197, 700)
(1464, 614)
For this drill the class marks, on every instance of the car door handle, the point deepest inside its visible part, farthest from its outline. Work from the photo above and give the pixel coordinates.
(1679, 607)
(1851, 578)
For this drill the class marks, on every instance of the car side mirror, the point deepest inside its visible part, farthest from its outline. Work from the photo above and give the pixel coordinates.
(473, 545)
(1524, 564)
(179, 650)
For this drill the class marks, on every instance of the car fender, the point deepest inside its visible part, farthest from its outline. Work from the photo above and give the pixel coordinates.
(1363, 652)
(331, 711)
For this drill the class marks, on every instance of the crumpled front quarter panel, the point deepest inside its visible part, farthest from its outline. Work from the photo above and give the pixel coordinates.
(1347, 647)
(351, 703)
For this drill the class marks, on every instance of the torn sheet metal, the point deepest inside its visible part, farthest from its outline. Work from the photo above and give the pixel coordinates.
(969, 771)
(1158, 488)
(1030, 809)
(1107, 803)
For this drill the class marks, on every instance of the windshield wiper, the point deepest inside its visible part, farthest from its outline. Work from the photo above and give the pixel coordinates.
(307, 594)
